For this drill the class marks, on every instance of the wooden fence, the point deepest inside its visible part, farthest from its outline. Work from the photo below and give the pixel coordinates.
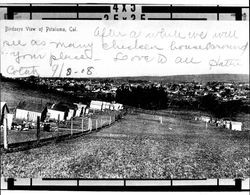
(74, 126)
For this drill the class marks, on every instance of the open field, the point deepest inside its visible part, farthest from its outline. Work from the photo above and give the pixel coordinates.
(139, 147)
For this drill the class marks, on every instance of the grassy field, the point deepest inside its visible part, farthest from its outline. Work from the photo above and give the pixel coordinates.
(139, 147)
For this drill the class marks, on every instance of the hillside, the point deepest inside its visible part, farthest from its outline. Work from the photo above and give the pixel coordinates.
(204, 78)
(197, 78)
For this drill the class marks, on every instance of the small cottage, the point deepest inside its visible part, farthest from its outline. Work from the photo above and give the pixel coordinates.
(118, 106)
(236, 126)
(81, 109)
(106, 105)
(57, 111)
(72, 110)
(227, 124)
(96, 105)
(29, 111)
(64, 111)
(111, 107)
(205, 119)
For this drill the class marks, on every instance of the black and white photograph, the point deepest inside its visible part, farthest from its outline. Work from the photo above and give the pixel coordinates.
(132, 94)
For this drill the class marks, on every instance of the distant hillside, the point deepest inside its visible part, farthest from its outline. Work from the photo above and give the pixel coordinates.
(197, 78)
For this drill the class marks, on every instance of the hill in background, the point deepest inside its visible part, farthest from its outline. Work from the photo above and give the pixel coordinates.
(203, 78)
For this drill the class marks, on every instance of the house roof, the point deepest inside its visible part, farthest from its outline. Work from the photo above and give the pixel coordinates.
(2, 104)
(236, 123)
(31, 106)
(79, 105)
(93, 102)
(62, 106)
(206, 117)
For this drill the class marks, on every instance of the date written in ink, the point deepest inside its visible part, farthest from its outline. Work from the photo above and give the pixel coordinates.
(88, 71)
(60, 69)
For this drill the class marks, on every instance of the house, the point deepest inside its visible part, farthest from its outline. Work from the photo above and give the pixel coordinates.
(81, 109)
(219, 123)
(205, 119)
(86, 111)
(111, 107)
(118, 106)
(236, 126)
(227, 124)
(9, 120)
(58, 111)
(72, 110)
(65, 111)
(30, 111)
(4, 110)
(196, 118)
(106, 105)
(96, 105)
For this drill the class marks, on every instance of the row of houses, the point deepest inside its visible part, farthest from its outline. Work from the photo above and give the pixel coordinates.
(231, 125)
(61, 111)
(100, 105)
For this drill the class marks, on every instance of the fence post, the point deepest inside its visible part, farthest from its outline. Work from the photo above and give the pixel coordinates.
(28, 117)
(71, 126)
(101, 122)
(82, 124)
(96, 124)
(90, 124)
(110, 120)
(5, 133)
(58, 121)
(38, 129)
(160, 119)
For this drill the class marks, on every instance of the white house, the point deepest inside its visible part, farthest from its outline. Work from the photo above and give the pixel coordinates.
(86, 111)
(96, 105)
(30, 111)
(71, 114)
(205, 119)
(63, 110)
(81, 109)
(111, 107)
(227, 124)
(9, 120)
(53, 114)
(106, 105)
(56, 111)
(118, 106)
(236, 126)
